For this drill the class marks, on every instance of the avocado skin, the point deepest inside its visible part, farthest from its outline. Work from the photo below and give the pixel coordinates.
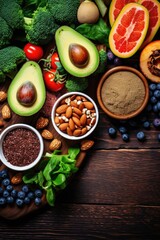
(64, 37)
(29, 72)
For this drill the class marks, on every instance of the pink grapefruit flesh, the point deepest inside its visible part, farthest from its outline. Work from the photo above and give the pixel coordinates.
(129, 30)
(115, 8)
(153, 7)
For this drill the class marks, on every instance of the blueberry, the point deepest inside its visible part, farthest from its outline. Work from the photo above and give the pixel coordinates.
(125, 137)
(1, 190)
(14, 193)
(19, 202)
(21, 195)
(158, 105)
(152, 86)
(149, 108)
(2, 201)
(156, 122)
(110, 55)
(5, 182)
(10, 199)
(157, 93)
(158, 86)
(25, 188)
(117, 61)
(153, 100)
(9, 188)
(122, 130)
(141, 136)
(5, 193)
(155, 108)
(27, 200)
(30, 195)
(146, 125)
(37, 201)
(112, 132)
(38, 193)
(4, 173)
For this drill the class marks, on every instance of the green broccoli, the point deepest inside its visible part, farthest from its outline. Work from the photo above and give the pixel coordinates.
(64, 12)
(102, 62)
(10, 57)
(76, 84)
(12, 13)
(6, 33)
(40, 29)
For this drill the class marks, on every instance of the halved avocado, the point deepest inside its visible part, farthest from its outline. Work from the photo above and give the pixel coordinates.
(67, 40)
(27, 93)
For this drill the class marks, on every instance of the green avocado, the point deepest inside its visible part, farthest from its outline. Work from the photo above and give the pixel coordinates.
(27, 92)
(84, 58)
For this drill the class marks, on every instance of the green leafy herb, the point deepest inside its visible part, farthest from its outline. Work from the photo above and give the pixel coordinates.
(53, 172)
(98, 32)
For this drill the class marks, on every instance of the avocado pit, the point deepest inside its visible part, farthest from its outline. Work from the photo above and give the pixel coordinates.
(27, 94)
(79, 55)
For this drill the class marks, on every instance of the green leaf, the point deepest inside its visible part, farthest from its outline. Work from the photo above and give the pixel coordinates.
(50, 196)
(73, 152)
(30, 177)
(49, 168)
(60, 179)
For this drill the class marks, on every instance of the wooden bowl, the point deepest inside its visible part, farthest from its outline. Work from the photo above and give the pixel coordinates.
(111, 99)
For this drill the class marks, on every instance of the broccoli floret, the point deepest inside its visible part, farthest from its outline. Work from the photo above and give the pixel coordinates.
(6, 33)
(40, 29)
(12, 13)
(102, 62)
(10, 57)
(64, 12)
(76, 84)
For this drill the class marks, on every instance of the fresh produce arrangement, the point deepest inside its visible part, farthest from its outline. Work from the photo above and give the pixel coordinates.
(51, 47)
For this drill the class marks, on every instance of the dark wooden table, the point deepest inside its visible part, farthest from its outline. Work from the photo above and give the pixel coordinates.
(115, 194)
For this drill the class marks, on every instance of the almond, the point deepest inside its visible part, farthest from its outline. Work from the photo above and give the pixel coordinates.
(63, 126)
(61, 109)
(16, 179)
(88, 105)
(81, 106)
(84, 130)
(55, 145)
(76, 121)
(77, 110)
(76, 115)
(3, 96)
(69, 131)
(46, 134)
(73, 104)
(6, 112)
(56, 120)
(77, 132)
(69, 112)
(71, 124)
(83, 119)
(86, 144)
(42, 122)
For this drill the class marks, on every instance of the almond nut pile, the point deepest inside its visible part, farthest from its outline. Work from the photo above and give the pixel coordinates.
(75, 115)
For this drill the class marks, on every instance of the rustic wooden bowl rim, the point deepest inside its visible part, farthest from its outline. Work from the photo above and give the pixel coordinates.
(118, 69)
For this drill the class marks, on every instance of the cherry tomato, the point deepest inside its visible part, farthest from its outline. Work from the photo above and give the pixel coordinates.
(49, 79)
(33, 52)
(54, 60)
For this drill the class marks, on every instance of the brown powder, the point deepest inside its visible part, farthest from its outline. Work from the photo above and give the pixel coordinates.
(123, 93)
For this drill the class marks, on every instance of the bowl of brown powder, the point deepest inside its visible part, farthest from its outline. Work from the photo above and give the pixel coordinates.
(123, 92)
(21, 147)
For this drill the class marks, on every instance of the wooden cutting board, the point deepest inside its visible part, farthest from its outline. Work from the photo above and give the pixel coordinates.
(14, 212)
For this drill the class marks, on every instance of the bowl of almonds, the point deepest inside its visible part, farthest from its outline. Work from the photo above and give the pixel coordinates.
(75, 115)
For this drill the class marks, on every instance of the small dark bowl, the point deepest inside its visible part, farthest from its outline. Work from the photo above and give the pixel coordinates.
(105, 77)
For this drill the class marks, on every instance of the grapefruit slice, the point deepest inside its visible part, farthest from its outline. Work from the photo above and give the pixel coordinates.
(115, 8)
(153, 7)
(129, 30)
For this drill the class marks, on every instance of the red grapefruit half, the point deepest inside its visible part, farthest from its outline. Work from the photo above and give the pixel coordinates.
(153, 7)
(115, 8)
(129, 30)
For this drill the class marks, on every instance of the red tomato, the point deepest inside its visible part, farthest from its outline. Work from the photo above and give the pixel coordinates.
(49, 79)
(33, 52)
(54, 60)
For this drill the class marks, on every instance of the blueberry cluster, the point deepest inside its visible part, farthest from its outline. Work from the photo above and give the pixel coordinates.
(112, 59)
(9, 195)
